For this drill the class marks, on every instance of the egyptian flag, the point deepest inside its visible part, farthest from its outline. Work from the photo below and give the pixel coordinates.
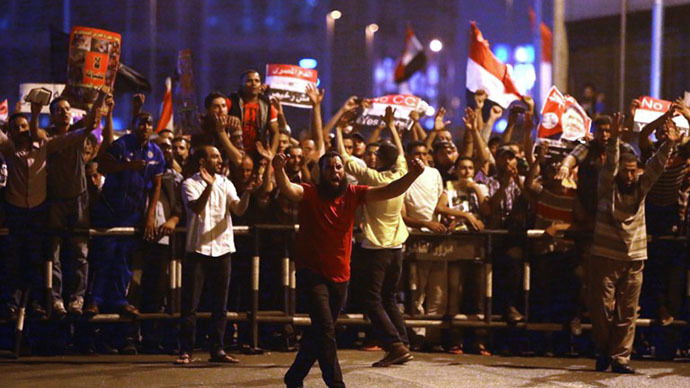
(546, 53)
(486, 72)
(413, 58)
(166, 118)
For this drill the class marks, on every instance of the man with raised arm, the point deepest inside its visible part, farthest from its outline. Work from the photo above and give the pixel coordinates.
(324, 244)
(619, 249)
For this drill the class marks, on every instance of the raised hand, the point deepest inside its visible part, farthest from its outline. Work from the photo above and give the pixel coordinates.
(389, 117)
(109, 104)
(495, 113)
(254, 184)
(680, 107)
(315, 95)
(277, 105)
(616, 124)
(209, 178)
(265, 153)
(351, 103)
(279, 162)
(138, 101)
(439, 123)
(634, 105)
(672, 132)
(416, 167)
(479, 98)
(414, 116)
(530, 103)
(469, 119)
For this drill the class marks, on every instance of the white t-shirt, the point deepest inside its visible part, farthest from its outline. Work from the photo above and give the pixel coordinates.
(210, 232)
(422, 196)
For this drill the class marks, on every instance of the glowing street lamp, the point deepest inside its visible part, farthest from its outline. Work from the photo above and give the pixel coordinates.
(335, 14)
(435, 45)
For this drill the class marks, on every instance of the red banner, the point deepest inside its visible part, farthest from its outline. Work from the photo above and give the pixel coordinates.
(561, 114)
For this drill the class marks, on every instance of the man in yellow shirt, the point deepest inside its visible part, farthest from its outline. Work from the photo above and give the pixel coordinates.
(384, 235)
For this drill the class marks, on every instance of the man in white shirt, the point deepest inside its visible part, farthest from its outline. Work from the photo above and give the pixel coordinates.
(419, 207)
(209, 197)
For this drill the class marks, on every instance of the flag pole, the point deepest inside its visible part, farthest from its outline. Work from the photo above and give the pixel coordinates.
(621, 71)
(536, 90)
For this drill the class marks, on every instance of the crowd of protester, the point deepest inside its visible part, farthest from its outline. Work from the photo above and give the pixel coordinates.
(62, 180)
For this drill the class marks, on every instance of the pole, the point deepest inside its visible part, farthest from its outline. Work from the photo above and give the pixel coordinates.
(657, 43)
(330, 27)
(66, 22)
(621, 71)
(560, 46)
(536, 91)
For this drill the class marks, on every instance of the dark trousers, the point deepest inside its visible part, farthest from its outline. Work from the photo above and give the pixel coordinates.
(382, 275)
(111, 273)
(196, 269)
(70, 213)
(324, 300)
(27, 251)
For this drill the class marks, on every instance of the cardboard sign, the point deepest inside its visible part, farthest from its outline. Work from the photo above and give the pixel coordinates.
(651, 108)
(403, 104)
(94, 57)
(561, 114)
(185, 107)
(289, 82)
(56, 89)
(4, 111)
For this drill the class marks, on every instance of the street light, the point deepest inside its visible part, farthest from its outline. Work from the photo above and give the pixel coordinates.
(331, 17)
(435, 45)
(335, 14)
(369, 32)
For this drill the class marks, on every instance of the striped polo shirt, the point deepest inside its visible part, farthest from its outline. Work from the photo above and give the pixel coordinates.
(666, 191)
(620, 231)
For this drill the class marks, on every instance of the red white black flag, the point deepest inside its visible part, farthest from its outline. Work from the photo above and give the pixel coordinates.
(413, 58)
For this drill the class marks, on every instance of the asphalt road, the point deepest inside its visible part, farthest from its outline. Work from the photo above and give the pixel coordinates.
(426, 371)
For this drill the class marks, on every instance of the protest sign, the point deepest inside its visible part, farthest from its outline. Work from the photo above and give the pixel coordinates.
(288, 84)
(651, 108)
(561, 114)
(403, 105)
(185, 108)
(55, 89)
(94, 57)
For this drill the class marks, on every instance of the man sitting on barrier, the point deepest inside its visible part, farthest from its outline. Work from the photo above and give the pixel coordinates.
(209, 197)
(324, 244)
(619, 249)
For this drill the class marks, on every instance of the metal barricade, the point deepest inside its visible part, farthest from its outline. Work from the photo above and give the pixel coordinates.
(288, 315)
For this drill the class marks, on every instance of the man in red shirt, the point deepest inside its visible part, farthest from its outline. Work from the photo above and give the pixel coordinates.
(254, 109)
(324, 243)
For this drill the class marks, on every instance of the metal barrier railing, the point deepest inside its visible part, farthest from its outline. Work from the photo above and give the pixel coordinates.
(288, 284)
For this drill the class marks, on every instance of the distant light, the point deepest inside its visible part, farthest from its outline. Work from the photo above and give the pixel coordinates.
(318, 82)
(430, 111)
(501, 52)
(118, 124)
(435, 45)
(335, 14)
(500, 126)
(373, 27)
(379, 73)
(524, 77)
(524, 54)
(308, 63)
(429, 123)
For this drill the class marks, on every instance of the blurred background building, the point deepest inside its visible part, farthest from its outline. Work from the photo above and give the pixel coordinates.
(359, 44)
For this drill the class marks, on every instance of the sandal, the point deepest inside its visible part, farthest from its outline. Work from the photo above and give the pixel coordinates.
(224, 359)
(482, 351)
(456, 350)
(184, 359)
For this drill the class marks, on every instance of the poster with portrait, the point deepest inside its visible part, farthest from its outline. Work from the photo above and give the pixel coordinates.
(94, 57)
(186, 109)
(403, 104)
(288, 84)
(562, 117)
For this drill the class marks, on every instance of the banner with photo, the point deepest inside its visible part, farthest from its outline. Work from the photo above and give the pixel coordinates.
(651, 108)
(403, 104)
(562, 115)
(94, 57)
(288, 83)
(186, 110)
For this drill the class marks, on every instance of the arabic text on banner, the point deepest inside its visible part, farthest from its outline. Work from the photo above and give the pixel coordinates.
(403, 104)
(650, 109)
(94, 57)
(289, 82)
(561, 114)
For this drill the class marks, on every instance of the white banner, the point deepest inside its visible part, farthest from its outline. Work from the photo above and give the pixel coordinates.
(289, 82)
(55, 89)
(651, 108)
(403, 104)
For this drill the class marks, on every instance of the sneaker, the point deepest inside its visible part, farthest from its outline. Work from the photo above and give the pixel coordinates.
(76, 306)
(59, 309)
(397, 355)
(622, 368)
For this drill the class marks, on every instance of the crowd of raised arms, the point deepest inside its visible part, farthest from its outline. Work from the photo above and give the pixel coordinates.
(63, 180)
